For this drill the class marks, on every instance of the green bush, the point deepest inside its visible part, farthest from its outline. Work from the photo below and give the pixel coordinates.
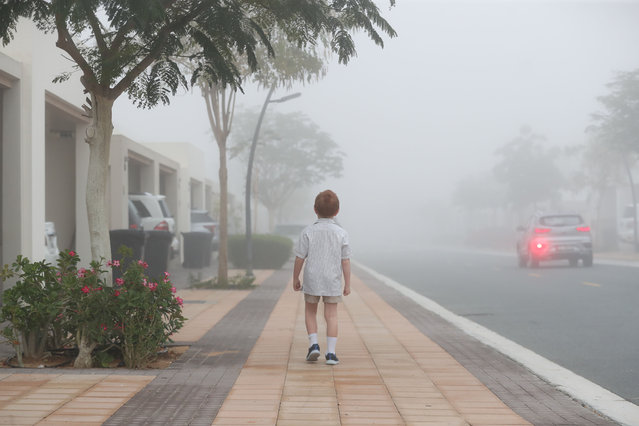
(269, 251)
(65, 305)
(31, 307)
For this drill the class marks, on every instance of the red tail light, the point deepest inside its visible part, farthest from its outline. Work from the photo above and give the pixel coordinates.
(583, 228)
(211, 228)
(538, 246)
(542, 230)
(133, 226)
(162, 226)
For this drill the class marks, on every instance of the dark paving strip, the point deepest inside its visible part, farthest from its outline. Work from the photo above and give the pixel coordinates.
(529, 396)
(192, 390)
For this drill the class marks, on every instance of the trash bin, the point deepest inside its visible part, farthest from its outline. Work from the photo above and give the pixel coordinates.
(131, 238)
(156, 252)
(197, 249)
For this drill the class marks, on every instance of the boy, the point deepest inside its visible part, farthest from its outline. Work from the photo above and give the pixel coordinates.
(325, 249)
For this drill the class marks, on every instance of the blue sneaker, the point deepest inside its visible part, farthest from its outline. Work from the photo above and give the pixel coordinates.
(331, 359)
(313, 352)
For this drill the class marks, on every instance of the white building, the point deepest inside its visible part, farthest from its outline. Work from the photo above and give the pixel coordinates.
(44, 156)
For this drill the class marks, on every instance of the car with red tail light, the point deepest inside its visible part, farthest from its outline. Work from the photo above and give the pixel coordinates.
(563, 236)
(201, 221)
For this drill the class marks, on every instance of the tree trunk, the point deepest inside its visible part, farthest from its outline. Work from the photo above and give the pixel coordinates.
(85, 349)
(222, 265)
(33, 343)
(220, 113)
(98, 136)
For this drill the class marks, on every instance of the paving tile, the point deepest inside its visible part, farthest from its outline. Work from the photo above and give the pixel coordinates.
(482, 363)
(246, 366)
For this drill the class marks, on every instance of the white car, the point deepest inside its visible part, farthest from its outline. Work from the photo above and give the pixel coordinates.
(156, 216)
(201, 221)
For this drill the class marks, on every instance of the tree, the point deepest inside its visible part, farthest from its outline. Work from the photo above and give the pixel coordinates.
(479, 192)
(528, 171)
(617, 126)
(290, 63)
(600, 169)
(294, 153)
(132, 46)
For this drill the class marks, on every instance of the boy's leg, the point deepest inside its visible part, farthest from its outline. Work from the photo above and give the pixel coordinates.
(311, 317)
(310, 314)
(330, 314)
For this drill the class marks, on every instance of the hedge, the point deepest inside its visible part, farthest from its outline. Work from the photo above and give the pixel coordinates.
(269, 251)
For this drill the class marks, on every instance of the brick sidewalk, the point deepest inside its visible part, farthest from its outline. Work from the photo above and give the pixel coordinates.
(245, 365)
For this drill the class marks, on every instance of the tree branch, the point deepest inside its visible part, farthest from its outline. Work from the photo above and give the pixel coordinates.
(97, 32)
(154, 52)
(119, 38)
(65, 42)
(230, 110)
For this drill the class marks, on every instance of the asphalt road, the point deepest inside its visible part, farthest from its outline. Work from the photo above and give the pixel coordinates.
(584, 319)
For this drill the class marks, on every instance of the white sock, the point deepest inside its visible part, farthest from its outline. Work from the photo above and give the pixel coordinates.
(312, 338)
(330, 343)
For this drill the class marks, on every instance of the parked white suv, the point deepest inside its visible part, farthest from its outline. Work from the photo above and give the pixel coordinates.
(156, 216)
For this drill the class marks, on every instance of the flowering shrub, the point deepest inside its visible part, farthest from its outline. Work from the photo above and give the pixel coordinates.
(134, 315)
(30, 307)
(88, 305)
(145, 315)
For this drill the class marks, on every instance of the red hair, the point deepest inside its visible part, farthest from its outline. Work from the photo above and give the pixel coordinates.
(326, 204)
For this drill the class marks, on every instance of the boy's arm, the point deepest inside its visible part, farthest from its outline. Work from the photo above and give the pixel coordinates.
(297, 268)
(346, 269)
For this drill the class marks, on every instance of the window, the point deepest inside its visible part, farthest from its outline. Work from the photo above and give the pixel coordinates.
(165, 208)
(142, 210)
(201, 217)
(564, 220)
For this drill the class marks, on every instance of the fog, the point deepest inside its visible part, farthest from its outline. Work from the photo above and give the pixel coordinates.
(431, 108)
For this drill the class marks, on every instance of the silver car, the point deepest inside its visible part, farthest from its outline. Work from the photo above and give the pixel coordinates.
(554, 236)
(201, 221)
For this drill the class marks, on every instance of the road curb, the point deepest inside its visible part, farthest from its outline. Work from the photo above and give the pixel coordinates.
(579, 388)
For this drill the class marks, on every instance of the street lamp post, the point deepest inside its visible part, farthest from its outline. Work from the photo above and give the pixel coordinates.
(249, 174)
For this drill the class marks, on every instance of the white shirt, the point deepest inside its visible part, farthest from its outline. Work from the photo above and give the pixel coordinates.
(323, 245)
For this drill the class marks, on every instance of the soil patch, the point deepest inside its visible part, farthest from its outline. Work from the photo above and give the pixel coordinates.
(65, 358)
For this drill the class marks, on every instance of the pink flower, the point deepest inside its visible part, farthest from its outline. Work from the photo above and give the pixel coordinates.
(85, 289)
(119, 281)
(103, 327)
(143, 264)
(114, 263)
(72, 253)
(117, 293)
(145, 283)
(179, 300)
(173, 289)
(82, 272)
(153, 286)
(166, 275)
